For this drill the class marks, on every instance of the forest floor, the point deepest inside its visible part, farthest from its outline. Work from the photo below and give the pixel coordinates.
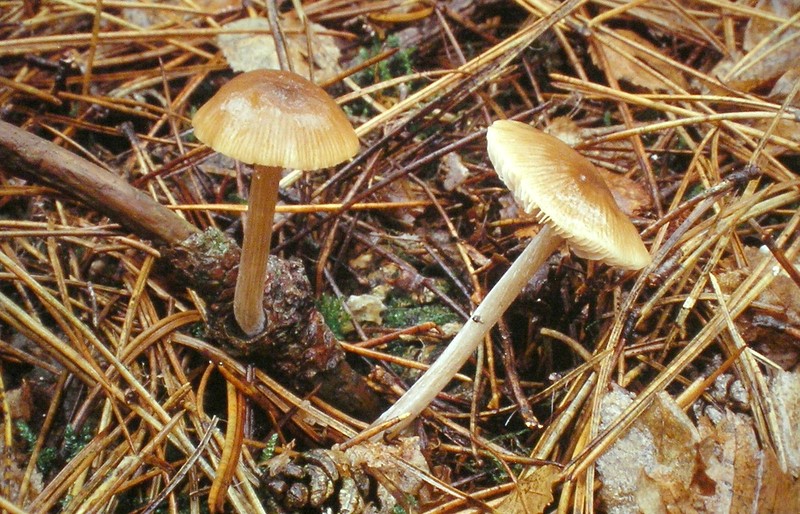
(673, 388)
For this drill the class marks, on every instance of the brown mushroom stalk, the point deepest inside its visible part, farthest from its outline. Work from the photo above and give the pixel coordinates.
(568, 196)
(249, 293)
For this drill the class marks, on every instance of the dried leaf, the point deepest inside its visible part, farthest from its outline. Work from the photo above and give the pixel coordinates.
(786, 129)
(20, 402)
(746, 467)
(631, 64)
(767, 54)
(766, 324)
(630, 195)
(717, 452)
(534, 492)
(664, 464)
(663, 13)
(759, 28)
(399, 191)
(783, 87)
(778, 491)
(367, 308)
(150, 15)
(247, 52)
(396, 467)
(739, 476)
(565, 129)
(652, 465)
(785, 392)
(453, 171)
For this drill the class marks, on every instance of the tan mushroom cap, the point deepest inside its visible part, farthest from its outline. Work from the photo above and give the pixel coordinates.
(276, 118)
(561, 187)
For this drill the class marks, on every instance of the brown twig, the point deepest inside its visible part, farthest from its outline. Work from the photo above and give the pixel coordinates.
(23, 153)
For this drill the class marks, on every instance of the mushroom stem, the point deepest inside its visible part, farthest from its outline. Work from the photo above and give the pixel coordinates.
(494, 304)
(249, 294)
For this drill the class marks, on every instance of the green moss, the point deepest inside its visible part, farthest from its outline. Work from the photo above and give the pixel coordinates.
(694, 191)
(197, 330)
(269, 449)
(65, 501)
(47, 456)
(75, 441)
(399, 510)
(399, 64)
(334, 314)
(235, 198)
(25, 433)
(402, 313)
(214, 242)
(46, 460)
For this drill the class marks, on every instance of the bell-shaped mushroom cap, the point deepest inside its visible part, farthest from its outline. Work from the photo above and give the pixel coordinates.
(276, 118)
(561, 187)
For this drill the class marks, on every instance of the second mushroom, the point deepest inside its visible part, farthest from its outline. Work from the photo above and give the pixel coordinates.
(571, 201)
(272, 120)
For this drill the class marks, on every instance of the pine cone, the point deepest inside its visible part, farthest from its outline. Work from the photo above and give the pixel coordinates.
(296, 346)
(318, 481)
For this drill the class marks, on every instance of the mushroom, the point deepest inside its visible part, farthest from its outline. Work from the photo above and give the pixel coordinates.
(572, 202)
(272, 120)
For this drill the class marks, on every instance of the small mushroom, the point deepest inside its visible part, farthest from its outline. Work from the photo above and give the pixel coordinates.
(272, 120)
(567, 195)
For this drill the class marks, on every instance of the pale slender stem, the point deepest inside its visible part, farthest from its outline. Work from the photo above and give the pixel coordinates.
(249, 294)
(494, 304)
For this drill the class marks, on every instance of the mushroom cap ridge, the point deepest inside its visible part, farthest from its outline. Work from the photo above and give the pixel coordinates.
(562, 188)
(276, 118)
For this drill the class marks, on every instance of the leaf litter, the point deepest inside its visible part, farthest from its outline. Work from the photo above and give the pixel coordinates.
(674, 388)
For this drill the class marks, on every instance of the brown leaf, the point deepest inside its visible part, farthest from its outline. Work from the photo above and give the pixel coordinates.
(398, 467)
(743, 477)
(247, 52)
(630, 63)
(663, 13)
(534, 492)
(785, 391)
(784, 86)
(778, 491)
(653, 464)
(767, 54)
(765, 325)
(630, 195)
(786, 129)
(716, 453)
(664, 464)
(746, 467)
(453, 170)
(148, 16)
(759, 28)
